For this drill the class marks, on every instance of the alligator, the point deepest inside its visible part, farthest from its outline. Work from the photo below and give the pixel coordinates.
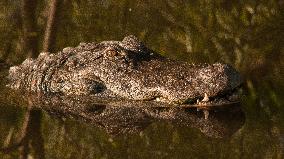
(126, 69)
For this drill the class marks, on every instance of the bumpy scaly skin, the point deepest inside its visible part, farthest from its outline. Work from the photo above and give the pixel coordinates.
(123, 69)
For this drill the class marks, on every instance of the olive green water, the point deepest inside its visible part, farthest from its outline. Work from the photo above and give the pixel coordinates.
(248, 35)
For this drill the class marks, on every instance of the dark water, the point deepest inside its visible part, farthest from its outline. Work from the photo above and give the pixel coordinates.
(248, 35)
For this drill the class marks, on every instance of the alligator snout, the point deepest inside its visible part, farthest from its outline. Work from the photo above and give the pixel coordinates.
(216, 84)
(218, 79)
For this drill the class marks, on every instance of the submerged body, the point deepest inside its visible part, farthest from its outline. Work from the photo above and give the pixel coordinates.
(125, 69)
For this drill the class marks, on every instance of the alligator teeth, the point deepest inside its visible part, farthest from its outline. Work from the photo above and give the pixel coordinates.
(206, 98)
(198, 102)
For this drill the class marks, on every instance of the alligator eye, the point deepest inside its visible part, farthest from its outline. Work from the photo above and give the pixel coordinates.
(111, 52)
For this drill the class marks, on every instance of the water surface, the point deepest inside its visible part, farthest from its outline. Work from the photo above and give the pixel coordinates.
(247, 35)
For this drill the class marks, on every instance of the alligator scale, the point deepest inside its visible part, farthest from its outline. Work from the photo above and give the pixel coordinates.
(126, 69)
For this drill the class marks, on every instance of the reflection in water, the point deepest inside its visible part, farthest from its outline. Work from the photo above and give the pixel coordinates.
(118, 117)
(29, 137)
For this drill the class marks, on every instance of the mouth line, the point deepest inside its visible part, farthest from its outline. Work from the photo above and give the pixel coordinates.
(224, 98)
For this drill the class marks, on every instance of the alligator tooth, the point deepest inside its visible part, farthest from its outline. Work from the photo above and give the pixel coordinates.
(198, 102)
(206, 98)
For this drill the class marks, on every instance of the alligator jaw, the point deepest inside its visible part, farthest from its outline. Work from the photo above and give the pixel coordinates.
(206, 103)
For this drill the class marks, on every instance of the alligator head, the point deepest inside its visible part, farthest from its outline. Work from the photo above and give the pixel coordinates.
(126, 69)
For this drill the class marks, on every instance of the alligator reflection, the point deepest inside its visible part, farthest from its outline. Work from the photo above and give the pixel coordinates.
(117, 117)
